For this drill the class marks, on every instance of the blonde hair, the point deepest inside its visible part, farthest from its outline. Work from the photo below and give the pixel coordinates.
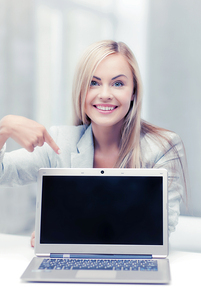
(133, 126)
(129, 155)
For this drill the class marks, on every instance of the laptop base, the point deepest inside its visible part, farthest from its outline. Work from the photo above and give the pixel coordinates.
(33, 274)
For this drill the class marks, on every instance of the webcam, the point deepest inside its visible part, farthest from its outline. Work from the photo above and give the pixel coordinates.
(102, 172)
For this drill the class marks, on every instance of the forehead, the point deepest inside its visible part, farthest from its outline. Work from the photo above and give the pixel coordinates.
(114, 64)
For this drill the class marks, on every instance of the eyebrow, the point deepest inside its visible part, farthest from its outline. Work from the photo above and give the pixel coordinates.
(96, 77)
(112, 78)
(118, 76)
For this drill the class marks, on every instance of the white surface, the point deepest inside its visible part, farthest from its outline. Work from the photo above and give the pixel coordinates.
(184, 265)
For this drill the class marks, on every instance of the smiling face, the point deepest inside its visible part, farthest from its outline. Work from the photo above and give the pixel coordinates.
(111, 91)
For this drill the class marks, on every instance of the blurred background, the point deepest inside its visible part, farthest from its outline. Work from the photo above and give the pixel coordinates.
(40, 44)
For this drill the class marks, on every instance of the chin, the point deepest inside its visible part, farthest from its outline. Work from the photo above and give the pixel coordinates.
(107, 123)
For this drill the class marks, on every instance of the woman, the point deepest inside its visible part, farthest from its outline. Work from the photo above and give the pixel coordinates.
(108, 131)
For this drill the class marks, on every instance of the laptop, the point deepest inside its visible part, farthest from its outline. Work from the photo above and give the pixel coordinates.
(101, 226)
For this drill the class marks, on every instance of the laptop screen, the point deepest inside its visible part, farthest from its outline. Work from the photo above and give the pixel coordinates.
(114, 210)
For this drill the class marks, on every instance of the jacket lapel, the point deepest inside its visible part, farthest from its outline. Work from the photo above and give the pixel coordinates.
(84, 156)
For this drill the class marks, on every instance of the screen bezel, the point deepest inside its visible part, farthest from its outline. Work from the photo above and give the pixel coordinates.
(155, 250)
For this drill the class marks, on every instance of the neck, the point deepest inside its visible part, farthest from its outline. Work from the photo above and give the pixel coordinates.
(106, 138)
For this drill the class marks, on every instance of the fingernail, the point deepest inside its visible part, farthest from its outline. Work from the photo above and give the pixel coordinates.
(59, 151)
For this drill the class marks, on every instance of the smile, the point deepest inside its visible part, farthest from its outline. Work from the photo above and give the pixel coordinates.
(105, 108)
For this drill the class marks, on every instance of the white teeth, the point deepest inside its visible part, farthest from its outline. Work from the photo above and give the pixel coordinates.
(105, 108)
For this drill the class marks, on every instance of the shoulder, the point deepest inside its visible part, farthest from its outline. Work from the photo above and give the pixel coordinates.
(163, 138)
(156, 145)
(157, 136)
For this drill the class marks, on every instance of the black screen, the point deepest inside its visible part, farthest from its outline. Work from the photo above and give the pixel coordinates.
(122, 210)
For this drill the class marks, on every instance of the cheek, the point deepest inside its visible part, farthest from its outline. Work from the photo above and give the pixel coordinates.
(90, 96)
(128, 102)
(127, 98)
(87, 103)
(87, 99)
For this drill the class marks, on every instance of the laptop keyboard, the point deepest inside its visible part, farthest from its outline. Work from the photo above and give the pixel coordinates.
(99, 264)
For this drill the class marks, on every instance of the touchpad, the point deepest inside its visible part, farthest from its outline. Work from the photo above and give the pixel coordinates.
(99, 274)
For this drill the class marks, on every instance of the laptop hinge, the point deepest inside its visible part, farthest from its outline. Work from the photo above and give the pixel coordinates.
(42, 255)
(159, 256)
(100, 256)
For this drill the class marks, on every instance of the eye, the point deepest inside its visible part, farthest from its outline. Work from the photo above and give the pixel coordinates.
(93, 83)
(118, 84)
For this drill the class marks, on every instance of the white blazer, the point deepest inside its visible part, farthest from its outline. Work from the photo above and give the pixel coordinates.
(20, 167)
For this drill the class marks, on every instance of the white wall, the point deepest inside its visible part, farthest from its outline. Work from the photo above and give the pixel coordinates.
(174, 73)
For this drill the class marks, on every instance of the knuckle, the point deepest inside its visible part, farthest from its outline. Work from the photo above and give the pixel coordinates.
(40, 144)
(43, 129)
(30, 147)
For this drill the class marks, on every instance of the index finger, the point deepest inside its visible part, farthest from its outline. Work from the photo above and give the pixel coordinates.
(48, 139)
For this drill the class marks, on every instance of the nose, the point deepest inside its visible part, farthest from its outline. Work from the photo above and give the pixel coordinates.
(105, 93)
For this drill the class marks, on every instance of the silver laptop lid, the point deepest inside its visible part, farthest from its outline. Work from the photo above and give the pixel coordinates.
(102, 211)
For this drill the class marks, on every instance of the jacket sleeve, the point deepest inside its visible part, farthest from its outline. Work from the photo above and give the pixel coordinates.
(173, 159)
(20, 167)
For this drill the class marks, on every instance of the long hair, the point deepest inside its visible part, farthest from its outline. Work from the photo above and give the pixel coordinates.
(129, 155)
(133, 126)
